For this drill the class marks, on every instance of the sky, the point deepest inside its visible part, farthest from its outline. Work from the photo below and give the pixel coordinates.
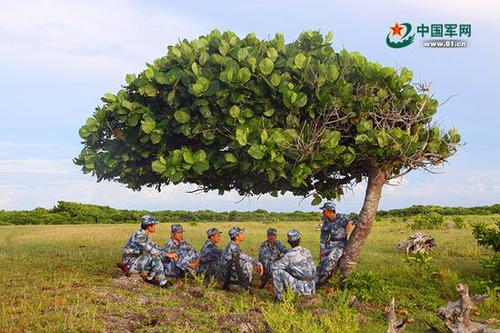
(59, 57)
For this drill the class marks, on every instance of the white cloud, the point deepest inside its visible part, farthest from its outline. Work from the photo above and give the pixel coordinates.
(35, 166)
(88, 37)
(60, 180)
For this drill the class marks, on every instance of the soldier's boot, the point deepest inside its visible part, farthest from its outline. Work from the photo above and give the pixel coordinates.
(165, 284)
(124, 268)
(265, 280)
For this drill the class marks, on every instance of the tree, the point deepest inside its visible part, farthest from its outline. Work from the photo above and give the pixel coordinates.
(256, 116)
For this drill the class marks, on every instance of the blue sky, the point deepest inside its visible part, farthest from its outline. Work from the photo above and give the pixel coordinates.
(59, 57)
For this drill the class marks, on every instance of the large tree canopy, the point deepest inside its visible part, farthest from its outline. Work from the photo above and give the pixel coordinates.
(260, 117)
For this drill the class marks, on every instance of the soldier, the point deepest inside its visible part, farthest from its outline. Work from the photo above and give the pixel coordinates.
(236, 266)
(210, 253)
(334, 233)
(141, 255)
(180, 256)
(270, 251)
(295, 270)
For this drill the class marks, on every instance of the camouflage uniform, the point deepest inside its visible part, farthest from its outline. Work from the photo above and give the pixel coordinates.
(209, 258)
(185, 255)
(142, 255)
(333, 239)
(246, 262)
(269, 254)
(295, 270)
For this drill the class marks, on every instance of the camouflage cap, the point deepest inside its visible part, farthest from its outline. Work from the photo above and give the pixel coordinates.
(148, 220)
(328, 205)
(293, 235)
(212, 231)
(235, 231)
(176, 228)
(272, 232)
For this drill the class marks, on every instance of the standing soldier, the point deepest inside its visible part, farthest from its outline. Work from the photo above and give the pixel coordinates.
(210, 253)
(141, 255)
(181, 257)
(333, 239)
(270, 251)
(236, 266)
(295, 270)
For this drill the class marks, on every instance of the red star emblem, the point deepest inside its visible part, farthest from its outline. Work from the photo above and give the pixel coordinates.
(396, 29)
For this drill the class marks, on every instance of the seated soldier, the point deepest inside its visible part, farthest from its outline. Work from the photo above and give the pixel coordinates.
(234, 265)
(210, 253)
(333, 239)
(295, 270)
(270, 251)
(180, 257)
(141, 255)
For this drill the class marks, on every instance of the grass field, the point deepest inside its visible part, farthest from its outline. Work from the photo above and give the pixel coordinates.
(63, 279)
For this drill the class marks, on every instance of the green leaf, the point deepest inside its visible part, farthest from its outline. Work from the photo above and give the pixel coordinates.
(176, 177)
(241, 136)
(242, 54)
(200, 167)
(406, 75)
(148, 125)
(333, 73)
(150, 73)
(256, 152)
(382, 139)
(182, 116)
(244, 75)
(158, 167)
(269, 112)
(176, 52)
(194, 68)
(197, 89)
(272, 54)
(234, 111)
(271, 174)
(156, 136)
(92, 125)
(148, 90)
(200, 155)
(316, 201)
(300, 60)
(84, 132)
(301, 100)
(266, 66)
(275, 79)
(263, 136)
(329, 37)
(162, 78)
(188, 157)
(230, 158)
(130, 78)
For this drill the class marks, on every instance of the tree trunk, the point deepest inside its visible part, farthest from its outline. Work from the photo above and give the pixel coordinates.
(376, 180)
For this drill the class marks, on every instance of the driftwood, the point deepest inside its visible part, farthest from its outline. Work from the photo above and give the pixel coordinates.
(457, 314)
(417, 243)
(395, 326)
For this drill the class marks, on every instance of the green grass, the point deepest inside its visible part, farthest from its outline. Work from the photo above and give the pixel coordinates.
(62, 279)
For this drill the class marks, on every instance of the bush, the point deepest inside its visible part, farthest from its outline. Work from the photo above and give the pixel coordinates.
(428, 221)
(459, 222)
(489, 237)
(365, 285)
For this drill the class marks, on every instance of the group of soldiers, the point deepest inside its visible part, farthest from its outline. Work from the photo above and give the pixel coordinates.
(288, 268)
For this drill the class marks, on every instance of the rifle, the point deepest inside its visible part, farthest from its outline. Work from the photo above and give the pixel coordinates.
(265, 277)
(242, 281)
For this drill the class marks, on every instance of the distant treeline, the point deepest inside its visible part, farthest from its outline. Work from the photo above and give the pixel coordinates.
(77, 213)
(415, 210)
